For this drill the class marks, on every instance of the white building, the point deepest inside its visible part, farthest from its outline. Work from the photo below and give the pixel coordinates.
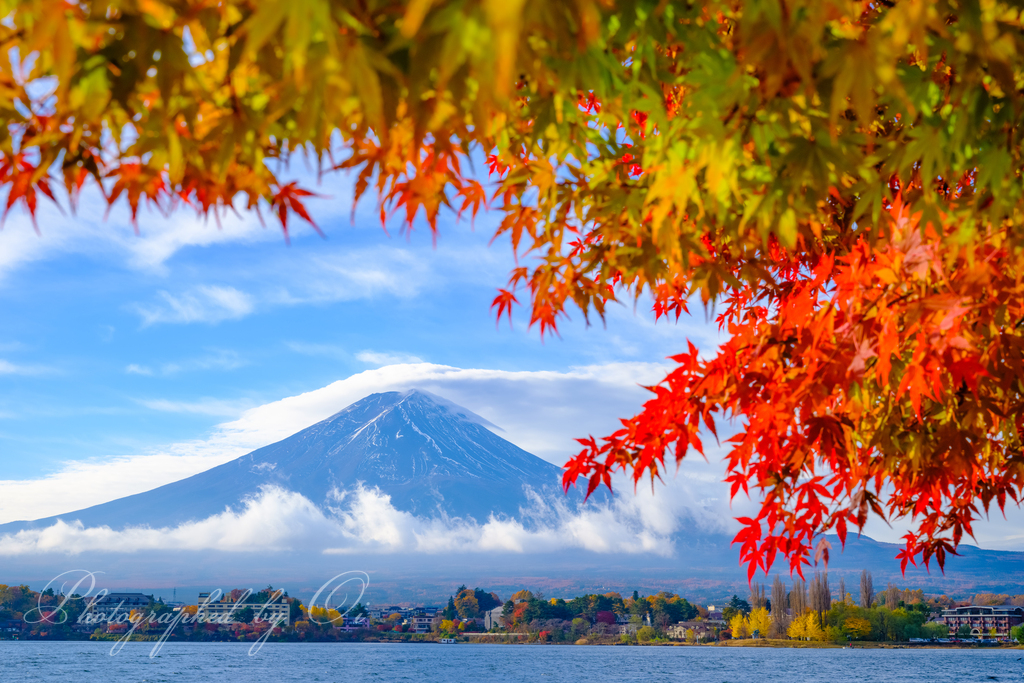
(421, 623)
(493, 618)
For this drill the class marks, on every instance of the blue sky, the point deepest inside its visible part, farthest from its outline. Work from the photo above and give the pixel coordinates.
(128, 361)
(116, 343)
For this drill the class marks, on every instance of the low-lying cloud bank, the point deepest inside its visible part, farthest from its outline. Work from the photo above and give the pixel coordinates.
(363, 520)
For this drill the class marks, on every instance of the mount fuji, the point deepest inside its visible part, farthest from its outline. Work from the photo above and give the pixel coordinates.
(432, 457)
(447, 468)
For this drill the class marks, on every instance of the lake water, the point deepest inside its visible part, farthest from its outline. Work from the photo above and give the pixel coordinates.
(88, 662)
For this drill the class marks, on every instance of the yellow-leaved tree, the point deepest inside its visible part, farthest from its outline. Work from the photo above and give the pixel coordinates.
(857, 628)
(325, 616)
(739, 626)
(760, 622)
(806, 627)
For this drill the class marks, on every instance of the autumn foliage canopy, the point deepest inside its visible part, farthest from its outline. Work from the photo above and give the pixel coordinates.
(837, 181)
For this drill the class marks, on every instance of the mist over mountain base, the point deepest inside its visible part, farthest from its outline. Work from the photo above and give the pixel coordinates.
(705, 573)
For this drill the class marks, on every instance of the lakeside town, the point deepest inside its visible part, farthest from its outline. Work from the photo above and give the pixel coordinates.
(798, 613)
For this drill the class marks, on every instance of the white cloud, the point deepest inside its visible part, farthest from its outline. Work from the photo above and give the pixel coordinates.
(355, 274)
(311, 349)
(9, 368)
(372, 524)
(19, 244)
(91, 233)
(540, 411)
(206, 406)
(160, 238)
(995, 532)
(84, 483)
(95, 230)
(324, 278)
(330, 273)
(266, 519)
(202, 304)
(365, 521)
(219, 359)
(379, 358)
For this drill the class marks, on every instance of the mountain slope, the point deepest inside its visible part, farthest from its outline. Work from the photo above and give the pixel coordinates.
(431, 456)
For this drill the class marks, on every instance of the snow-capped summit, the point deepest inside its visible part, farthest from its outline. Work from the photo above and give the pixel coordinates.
(433, 457)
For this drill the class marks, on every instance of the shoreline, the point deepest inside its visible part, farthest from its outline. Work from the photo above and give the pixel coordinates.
(583, 642)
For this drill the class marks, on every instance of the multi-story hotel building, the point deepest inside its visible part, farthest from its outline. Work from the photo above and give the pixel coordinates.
(224, 610)
(118, 606)
(982, 619)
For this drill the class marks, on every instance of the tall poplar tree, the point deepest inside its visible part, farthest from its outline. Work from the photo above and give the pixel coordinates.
(892, 596)
(867, 589)
(758, 600)
(780, 608)
(798, 598)
(821, 596)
